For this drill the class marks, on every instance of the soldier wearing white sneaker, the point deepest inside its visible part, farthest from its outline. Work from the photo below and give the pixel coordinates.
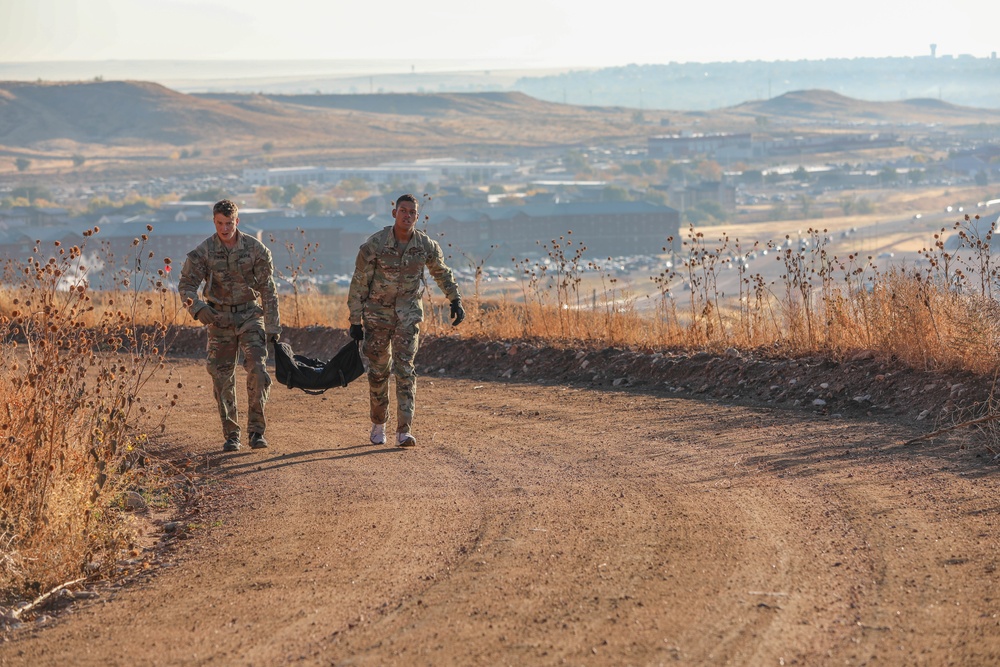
(386, 311)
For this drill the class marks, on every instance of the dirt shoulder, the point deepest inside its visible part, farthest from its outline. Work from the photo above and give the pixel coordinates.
(551, 517)
(862, 385)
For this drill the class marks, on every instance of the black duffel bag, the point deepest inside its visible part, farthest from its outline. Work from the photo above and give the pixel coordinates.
(313, 376)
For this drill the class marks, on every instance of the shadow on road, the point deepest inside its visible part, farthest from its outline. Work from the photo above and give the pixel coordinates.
(221, 463)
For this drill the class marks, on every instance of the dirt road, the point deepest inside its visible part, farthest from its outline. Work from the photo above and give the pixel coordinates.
(537, 525)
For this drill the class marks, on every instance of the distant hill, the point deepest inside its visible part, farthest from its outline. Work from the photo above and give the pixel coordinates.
(112, 112)
(146, 121)
(409, 104)
(130, 112)
(826, 106)
(694, 86)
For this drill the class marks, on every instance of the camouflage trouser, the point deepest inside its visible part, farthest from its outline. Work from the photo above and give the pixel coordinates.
(224, 344)
(392, 347)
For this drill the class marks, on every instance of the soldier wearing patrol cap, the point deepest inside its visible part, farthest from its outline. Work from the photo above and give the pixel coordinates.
(239, 305)
(386, 311)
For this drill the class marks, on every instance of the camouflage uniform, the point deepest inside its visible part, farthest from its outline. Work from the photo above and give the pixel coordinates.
(385, 294)
(234, 279)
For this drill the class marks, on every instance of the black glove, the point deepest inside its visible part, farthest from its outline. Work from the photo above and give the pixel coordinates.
(273, 338)
(457, 312)
(357, 332)
(207, 315)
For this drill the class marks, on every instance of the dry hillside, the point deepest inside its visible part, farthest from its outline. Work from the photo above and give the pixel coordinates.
(490, 105)
(113, 113)
(37, 115)
(122, 124)
(812, 106)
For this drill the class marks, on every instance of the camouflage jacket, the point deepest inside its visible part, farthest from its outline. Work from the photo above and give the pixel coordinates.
(231, 277)
(387, 278)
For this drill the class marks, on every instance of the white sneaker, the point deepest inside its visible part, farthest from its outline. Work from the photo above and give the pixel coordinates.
(378, 434)
(405, 440)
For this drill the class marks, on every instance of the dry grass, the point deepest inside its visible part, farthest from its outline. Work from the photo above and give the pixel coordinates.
(941, 316)
(76, 386)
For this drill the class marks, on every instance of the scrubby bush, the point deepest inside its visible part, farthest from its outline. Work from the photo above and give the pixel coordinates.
(76, 373)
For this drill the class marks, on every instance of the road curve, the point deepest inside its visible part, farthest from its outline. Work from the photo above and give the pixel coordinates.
(558, 525)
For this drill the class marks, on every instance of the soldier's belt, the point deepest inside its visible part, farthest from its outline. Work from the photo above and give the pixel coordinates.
(238, 308)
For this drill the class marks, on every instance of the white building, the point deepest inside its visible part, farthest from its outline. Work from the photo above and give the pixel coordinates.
(419, 171)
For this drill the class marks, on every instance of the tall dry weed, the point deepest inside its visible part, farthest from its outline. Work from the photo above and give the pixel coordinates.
(819, 303)
(297, 272)
(76, 382)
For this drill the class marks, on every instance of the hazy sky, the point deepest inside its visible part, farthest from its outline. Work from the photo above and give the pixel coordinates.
(536, 32)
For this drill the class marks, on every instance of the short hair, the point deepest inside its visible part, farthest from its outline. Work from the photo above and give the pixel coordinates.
(226, 207)
(407, 197)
